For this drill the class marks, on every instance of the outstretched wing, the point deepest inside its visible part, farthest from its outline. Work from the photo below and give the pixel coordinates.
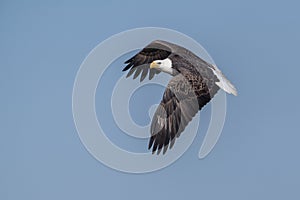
(184, 96)
(139, 63)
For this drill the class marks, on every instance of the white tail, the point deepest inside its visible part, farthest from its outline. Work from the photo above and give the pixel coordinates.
(224, 83)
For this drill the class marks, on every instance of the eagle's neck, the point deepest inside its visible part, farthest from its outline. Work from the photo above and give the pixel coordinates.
(166, 66)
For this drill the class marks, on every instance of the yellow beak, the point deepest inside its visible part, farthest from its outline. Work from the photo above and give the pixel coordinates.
(153, 65)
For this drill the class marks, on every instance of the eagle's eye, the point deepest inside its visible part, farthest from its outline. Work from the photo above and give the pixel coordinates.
(158, 63)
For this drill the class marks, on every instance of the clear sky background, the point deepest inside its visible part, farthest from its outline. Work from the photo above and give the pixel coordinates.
(255, 43)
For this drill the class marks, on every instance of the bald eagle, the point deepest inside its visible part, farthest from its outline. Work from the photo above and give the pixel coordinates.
(194, 84)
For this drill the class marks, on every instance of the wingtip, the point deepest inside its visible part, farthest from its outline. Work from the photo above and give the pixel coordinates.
(158, 151)
(128, 66)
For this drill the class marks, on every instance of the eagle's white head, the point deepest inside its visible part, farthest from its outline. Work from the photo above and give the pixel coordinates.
(163, 65)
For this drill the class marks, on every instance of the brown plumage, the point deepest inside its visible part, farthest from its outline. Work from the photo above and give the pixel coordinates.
(193, 85)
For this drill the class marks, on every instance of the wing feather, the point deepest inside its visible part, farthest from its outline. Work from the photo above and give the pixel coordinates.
(156, 50)
(184, 96)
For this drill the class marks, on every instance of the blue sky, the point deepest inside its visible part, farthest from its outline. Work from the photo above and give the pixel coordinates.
(255, 43)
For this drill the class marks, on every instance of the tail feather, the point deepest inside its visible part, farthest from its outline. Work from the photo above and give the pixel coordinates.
(224, 83)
